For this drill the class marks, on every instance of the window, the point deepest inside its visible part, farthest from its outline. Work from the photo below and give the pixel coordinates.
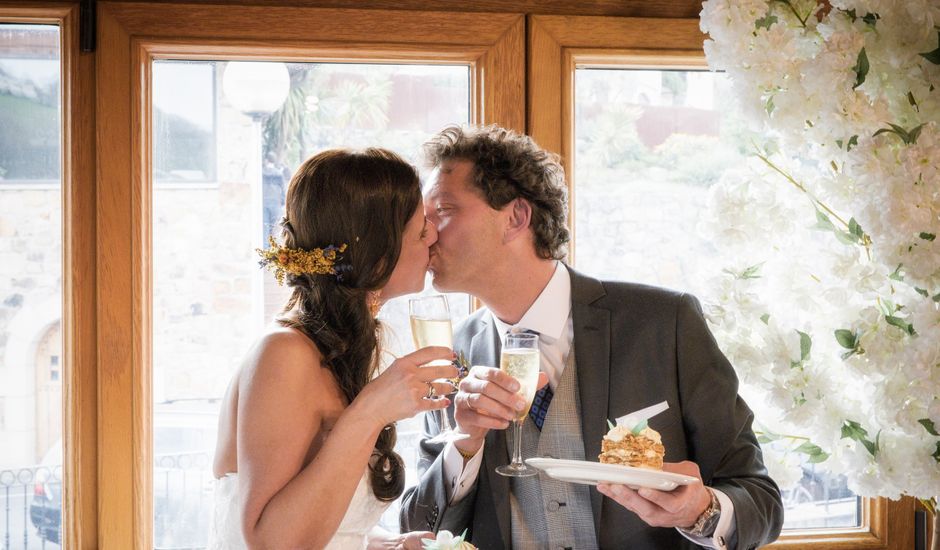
(204, 287)
(184, 124)
(198, 295)
(30, 127)
(31, 218)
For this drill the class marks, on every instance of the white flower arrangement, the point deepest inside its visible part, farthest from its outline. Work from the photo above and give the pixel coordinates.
(446, 540)
(829, 304)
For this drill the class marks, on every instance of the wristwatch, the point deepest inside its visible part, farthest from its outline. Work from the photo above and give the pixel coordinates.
(707, 522)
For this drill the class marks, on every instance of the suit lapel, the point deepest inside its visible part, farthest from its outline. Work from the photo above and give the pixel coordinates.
(484, 350)
(592, 353)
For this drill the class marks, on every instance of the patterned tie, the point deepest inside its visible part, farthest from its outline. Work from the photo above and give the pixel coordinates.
(543, 397)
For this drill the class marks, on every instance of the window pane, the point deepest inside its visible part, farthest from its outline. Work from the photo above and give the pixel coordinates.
(649, 143)
(184, 131)
(31, 371)
(211, 300)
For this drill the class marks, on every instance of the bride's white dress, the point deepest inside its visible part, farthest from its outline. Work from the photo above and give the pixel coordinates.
(362, 515)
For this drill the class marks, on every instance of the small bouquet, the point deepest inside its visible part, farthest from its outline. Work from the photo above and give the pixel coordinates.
(447, 541)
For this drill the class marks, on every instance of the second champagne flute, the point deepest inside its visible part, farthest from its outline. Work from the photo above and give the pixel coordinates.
(431, 326)
(520, 359)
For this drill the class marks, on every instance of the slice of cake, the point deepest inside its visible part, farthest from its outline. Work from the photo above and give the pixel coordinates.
(641, 448)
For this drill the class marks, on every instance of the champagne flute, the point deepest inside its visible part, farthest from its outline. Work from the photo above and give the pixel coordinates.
(520, 359)
(431, 326)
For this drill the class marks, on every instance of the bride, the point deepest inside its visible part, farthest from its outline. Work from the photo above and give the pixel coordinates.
(305, 453)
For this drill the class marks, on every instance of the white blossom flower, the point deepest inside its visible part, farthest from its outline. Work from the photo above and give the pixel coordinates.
(826, 289)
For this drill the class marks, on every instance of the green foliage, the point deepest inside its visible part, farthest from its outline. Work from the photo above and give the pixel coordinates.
(816, 454)
(850, 341)
(933, 56)
(29, 139)
(750, 272)
(861, 68)
(909, 137)
(853, 430)
(183, 146)
(695, 159)
(929, 426)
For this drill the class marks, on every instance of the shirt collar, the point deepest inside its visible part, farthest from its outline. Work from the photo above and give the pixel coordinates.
(548, 315)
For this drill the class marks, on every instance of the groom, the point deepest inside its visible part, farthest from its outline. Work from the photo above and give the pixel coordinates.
(607, 349)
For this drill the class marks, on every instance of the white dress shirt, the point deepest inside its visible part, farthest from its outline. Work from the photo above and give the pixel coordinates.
(550, 316)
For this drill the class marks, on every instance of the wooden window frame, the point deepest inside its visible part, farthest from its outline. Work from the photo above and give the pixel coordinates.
(556, 46)
(130, 37)
(79, 312)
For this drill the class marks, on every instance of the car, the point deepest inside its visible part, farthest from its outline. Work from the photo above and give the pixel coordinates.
(45, 509)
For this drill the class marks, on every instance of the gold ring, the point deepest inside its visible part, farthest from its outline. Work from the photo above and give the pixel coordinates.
(431, 392)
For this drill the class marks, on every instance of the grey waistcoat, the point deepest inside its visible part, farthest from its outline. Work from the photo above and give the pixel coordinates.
(547, 513)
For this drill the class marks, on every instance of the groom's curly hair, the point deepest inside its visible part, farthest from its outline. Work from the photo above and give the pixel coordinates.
(507, 166)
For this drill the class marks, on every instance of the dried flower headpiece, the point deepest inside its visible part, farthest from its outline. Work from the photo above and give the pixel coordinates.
(319, 261)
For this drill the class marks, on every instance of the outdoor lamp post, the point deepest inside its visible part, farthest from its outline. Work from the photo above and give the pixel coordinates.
(257, 89)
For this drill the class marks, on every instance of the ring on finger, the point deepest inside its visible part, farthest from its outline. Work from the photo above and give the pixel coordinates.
(431, 392)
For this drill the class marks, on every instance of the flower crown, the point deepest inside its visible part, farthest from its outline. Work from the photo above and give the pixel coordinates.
(319, 261)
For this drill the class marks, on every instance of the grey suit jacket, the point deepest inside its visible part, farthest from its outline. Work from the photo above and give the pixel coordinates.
(635, 346)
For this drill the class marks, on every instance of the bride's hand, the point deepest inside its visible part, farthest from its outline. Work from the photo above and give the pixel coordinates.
(405, 541)
(402, 390)
(412, 541)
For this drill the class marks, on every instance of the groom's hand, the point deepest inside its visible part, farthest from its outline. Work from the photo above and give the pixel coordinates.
(677, 508)
(487, 400)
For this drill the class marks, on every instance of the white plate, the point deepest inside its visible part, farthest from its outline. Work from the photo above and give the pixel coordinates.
(592, 473)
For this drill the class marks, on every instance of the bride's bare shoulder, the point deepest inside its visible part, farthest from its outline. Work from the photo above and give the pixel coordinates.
(285, 352)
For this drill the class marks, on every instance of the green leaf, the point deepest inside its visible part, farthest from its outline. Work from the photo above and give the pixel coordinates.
(883, 131)
(855, 228)
(912, 101)
(901, 324)
(922, 292)
(853, 141)
(823, 222)
(936, 453)
(927, 236)
(839, 143)
(769, 106)
(914, 133)
(861, 68)
(640, 427)
(853, 430)
(765, 317)
(765, 22)
(871, 19)
(752, 272)
(846, 338)
(806, 345)
(936, 297)
(933, 56)
(897, 276)
(929, 426)
(816, 454)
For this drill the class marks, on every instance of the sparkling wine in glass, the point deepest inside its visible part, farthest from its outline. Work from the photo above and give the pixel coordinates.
(520, 359)
(431, 326)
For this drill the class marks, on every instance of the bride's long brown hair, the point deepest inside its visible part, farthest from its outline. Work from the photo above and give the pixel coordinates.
(363, 199)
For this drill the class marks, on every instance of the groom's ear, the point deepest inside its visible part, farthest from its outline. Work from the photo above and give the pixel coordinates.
(520, 217)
